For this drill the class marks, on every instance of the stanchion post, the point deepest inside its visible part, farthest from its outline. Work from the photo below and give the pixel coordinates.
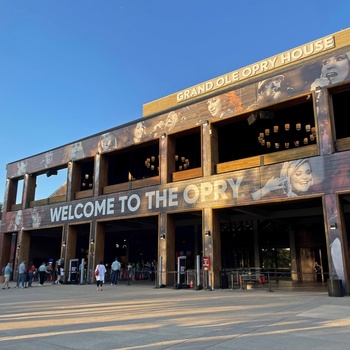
(269, 281)
(160, 269)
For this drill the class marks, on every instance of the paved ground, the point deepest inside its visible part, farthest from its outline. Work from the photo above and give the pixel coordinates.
(144, 317)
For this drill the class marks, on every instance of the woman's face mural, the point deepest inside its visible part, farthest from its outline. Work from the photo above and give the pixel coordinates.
(335, 68)
(301, 178)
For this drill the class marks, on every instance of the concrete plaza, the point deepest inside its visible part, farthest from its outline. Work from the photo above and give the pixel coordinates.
(143, 317)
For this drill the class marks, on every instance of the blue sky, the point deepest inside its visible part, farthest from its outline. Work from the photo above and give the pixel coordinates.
(70, 69)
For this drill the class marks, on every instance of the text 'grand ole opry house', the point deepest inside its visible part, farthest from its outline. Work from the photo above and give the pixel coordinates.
(248, 171)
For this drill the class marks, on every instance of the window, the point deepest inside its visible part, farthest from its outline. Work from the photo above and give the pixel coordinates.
(281, 127)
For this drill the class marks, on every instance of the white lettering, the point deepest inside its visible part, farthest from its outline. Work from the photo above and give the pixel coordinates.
(191, 194)
(235, 186)
(220, 82)
(329, 43)
(55, 214)
(110, 206)
(100, 208)
(173, 197)
(246, 72)
(150, 195)
(296, 54)
(76, 214)
(161, 198)
(285, 58)
(123, 199)
(272, 61)
(64, 213)
(88, 209)
(220, 187)
(208, 86)
(260, 67)
(70, 215)
(206, 190)
(136, 198)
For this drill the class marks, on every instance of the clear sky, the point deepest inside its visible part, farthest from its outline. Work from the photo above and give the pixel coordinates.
(73, 68)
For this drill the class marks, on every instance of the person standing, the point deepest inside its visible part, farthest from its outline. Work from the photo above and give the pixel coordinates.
(130, 273)
(21, 274)
(31, 272)
(115, 272)
(100, 272)
(153, 270)
(318, 271)
(60, 271)
(42, 273)
(7, 275)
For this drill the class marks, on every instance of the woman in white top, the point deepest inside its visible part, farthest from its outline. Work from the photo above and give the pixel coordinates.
(100, 272)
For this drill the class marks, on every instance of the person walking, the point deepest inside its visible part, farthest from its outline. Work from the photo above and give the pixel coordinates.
(7, 275)
(130, 273)
(21, 274)
(100, 272)
(42, 273)
(60, 271)
(31, 272)
(115, 272)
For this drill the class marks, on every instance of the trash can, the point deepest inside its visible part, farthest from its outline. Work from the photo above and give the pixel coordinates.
(224, 280)
(335, 287)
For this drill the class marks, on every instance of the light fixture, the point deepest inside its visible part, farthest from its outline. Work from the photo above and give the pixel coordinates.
(162, 236)
(63, 243)
(206, 122)
(252, 118)
(86, 176)
(163, 135)
(334, 226)
(207, 233)
(51, 172)
(18, 246)
(92, 241)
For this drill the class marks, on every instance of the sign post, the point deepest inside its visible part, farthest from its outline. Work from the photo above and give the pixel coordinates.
(206, 268)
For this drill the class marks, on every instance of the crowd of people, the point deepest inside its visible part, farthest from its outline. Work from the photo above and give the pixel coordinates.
(124, 271)
(50, 272)
(26, 275)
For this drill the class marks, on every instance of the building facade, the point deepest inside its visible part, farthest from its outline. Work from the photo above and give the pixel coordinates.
(247, 170)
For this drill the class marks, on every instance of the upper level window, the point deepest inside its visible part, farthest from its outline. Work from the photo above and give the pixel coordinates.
(340, 102)
(133, 163)
(187, 151)
(285, 126)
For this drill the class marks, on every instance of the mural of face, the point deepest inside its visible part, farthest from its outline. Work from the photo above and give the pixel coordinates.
(36, 218)
(76, 150)
(215, 106)
(21, 167)
(106, 141)
(48, 158)
(335, 68)
(139, 131)
(171, 120)
(272, 89)
(301, 178)
(18, 219)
